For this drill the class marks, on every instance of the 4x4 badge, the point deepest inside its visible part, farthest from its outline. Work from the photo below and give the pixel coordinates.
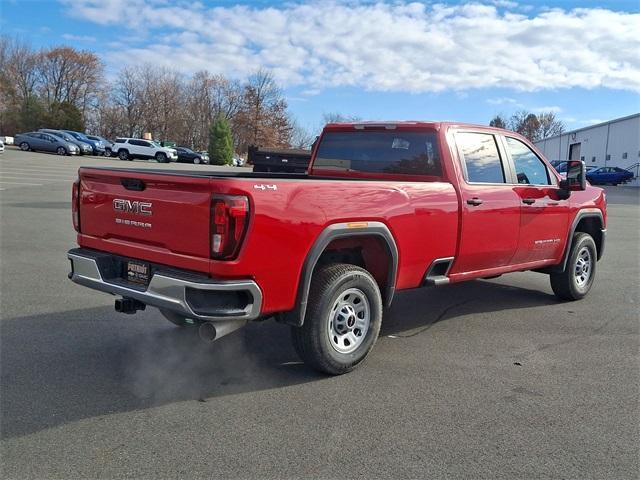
(262, 186)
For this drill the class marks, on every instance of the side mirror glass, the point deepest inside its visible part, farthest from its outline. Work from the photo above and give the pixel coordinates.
(576, 179)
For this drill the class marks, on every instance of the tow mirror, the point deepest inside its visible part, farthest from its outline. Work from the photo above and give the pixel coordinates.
(576, 179)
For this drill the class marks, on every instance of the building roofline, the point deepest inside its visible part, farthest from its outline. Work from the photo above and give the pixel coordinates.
(615, 120)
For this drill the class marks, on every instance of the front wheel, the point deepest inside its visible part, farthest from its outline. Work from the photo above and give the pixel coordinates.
(577, 278)
(24, 146)
(61, 151)
(107, 152)
(161, 158)
(343, 319)
(196, 160)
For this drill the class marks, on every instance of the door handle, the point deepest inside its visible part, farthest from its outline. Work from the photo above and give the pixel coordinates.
(529, 201)
(475, 201)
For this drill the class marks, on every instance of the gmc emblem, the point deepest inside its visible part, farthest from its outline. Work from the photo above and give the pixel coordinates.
(132, 206)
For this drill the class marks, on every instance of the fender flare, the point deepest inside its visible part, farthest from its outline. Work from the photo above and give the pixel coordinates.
(333, 232)
(582, 214)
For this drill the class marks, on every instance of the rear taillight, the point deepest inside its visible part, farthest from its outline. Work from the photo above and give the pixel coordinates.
(75, 205)
(229, 220)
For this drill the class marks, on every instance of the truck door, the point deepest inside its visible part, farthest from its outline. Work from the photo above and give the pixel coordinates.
(544, 217)
(490, 206)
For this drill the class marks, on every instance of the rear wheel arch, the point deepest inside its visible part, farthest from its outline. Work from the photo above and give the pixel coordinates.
(354, 243)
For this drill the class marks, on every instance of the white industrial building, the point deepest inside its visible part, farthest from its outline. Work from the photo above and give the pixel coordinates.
(615, 143)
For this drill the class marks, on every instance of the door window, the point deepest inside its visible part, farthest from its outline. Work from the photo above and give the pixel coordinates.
(481, 158)
(530, 169)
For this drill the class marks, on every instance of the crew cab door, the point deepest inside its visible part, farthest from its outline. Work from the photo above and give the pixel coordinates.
(544, 217)
(490, 207)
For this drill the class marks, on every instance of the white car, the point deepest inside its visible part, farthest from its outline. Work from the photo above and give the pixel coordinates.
(1, 146)
(132, 148)
(7, 140)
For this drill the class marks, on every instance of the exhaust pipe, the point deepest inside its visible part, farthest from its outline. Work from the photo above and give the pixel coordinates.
(128, 305)
(210, 331)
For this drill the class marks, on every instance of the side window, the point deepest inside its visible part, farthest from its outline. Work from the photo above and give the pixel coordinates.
(481, 158)
(120, 140)
(530, 169)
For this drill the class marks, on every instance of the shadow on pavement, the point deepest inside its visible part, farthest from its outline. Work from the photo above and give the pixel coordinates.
(63, 367)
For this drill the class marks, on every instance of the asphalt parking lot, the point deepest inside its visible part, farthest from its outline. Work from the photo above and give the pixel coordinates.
(489, 379)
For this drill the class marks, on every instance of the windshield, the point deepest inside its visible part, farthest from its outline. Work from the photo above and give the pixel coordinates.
(407, 153)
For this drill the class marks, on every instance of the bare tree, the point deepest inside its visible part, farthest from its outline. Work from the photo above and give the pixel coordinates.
(498, 122)
(549, 125)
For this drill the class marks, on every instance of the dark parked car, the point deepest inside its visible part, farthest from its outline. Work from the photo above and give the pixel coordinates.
(96, 145)
(45, 142)
(106, 144)
(612, 175)
(186, 155)
(83, 147)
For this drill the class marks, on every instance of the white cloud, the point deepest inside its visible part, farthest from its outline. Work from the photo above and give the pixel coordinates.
(397, 46)
(78, 38)
(551, 108)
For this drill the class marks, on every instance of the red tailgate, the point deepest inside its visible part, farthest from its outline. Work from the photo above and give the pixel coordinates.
(153, 216)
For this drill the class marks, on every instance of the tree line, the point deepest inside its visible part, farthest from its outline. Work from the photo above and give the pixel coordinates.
(529, 125)
(62, 87)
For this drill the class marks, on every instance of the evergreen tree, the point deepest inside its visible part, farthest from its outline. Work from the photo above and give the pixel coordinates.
(220, 142)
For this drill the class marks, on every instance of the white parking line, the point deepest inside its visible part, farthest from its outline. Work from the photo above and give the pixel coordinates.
(21, 183)
(27, 173)
(24, 177)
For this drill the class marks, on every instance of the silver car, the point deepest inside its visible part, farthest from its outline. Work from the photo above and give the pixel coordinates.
(45, 142)
(83, 147)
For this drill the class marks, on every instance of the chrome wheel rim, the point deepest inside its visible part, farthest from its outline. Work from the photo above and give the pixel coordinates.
(583, 268)
(61, 151)
(349, 321)
(24, 146)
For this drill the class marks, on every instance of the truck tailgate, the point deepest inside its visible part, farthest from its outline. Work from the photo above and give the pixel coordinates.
(167, 215)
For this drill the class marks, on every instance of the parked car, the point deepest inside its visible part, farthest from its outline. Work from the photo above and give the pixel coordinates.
(46, 142)
(7, 140)
(108, 145)
(1, 146)
(84, 148)
(385, 207)
(132, 148)
(205, 156)
(96, 145)
(186, 155)
(612, 175)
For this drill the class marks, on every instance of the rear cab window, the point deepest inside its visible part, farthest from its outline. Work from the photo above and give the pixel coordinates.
(480, 157)
(395, 152)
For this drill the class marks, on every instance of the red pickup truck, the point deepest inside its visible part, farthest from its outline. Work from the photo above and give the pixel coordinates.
(384, 207)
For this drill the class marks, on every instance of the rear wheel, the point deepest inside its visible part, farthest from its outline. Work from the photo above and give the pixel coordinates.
(161, 157)
(342, 321)
(61, 151)
(123, 155)
(24, 146)
(577, 278)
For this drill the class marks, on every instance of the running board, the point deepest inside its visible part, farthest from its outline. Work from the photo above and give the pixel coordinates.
(438, 271)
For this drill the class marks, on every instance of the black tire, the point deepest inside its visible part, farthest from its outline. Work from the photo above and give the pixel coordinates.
(568, 285)
(197, 160)
(314, 342)
(24, 146)
(123, 154)
(161, 158)
(61, 151)
(107, 152)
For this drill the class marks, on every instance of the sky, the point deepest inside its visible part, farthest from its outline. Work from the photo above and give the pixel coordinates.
(377, 60)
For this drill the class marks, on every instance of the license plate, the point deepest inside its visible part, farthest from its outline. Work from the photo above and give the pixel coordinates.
(138, 272)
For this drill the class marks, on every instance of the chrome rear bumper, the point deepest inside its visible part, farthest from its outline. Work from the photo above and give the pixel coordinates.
(188, 295)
